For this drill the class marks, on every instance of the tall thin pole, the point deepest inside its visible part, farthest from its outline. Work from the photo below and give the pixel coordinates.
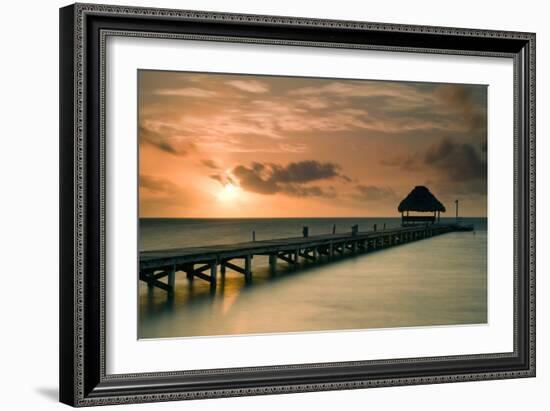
(456, 203)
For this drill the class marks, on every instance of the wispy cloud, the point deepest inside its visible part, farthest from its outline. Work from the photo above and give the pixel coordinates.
(186, 92)
(374, 193)
(250, 86)
(210, 164)
(157, 185)
(159, 195)
(166, 139)
(353, 89)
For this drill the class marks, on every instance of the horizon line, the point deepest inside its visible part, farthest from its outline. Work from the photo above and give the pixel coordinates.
(299, 217)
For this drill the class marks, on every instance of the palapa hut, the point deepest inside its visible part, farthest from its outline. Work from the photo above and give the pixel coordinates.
(421, 200)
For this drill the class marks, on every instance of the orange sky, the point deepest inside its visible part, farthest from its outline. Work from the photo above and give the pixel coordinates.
(218, 145)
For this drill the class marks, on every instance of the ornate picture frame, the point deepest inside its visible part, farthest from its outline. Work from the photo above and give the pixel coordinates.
(84, 30)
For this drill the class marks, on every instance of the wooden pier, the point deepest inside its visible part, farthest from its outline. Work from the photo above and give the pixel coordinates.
(205, 262)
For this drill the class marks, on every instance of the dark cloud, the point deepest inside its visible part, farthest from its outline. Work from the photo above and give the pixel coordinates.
(452, 161)
(157, 185)
(374, 193)
(217, 177)
(255, 179)
(455, 161)
(166, 140)
(458, 169)
(223, 179)
(304, 171)
(464, 100)
(297, 190)
(290, 179)
(210, 164)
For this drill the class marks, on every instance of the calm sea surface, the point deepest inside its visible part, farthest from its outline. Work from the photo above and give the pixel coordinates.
(437, 281)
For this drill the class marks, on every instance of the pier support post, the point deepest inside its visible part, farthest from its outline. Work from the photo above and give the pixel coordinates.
(222, 268)
(172, 280)
(150, 283)
(189, 270)
(248, 268)
(272, 263)
(213, 274)
(331, 251)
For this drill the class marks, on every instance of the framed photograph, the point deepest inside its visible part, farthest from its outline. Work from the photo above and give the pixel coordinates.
(261, 204)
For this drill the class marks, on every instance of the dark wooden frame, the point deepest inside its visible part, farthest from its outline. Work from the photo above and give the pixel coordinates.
(83, 29)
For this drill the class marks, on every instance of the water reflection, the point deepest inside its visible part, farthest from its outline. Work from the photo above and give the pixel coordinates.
(441, 280)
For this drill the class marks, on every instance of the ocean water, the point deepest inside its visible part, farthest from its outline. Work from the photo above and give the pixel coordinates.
(437, 281)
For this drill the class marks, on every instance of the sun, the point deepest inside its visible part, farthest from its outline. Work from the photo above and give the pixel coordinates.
(229, 192)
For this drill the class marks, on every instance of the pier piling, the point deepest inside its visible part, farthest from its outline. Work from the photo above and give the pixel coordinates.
(248, 268)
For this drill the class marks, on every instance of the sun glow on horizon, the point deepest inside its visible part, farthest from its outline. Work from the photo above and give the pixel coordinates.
(229, 192)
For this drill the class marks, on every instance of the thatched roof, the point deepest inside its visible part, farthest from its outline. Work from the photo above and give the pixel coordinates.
(420, 199)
